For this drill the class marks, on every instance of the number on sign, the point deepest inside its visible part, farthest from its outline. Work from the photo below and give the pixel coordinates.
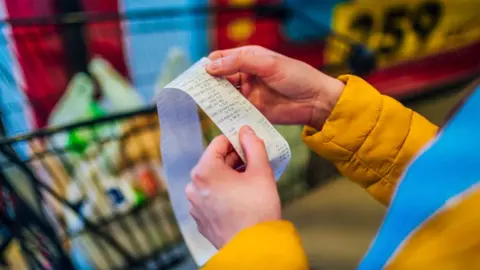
(393, 33)
(364, 25)
(397, 21)
(426, 19)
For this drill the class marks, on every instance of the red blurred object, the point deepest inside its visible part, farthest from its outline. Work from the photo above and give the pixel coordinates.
(265, 32)
(106, 38)
(40, 46)
(148, 183)
(428, 73)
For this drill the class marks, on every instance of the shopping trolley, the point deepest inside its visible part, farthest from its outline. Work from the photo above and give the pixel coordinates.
(139, 232)
(95, 187)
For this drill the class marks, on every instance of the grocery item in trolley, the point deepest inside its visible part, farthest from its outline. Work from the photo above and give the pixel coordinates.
(117, 178)
(108, 201)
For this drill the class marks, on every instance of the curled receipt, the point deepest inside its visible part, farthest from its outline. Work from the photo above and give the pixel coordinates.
(182, 140)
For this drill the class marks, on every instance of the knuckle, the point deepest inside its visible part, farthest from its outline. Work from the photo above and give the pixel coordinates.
(256, 48)
(197, 175)
(189, 192)
(238, 57)
(221, 61)
(247, 53)
(242, 55)
(271, 62)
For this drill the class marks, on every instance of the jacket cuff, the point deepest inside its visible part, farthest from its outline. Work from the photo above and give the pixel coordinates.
(351, 121)
(269, 245)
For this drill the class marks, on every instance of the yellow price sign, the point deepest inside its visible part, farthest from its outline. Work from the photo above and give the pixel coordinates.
(401, 30)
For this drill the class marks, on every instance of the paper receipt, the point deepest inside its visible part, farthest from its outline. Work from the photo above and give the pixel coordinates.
(182, 141)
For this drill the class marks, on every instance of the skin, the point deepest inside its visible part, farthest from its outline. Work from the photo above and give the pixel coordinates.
(223, 200)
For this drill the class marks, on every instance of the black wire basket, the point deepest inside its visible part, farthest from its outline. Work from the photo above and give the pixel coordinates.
(100, 224)
(96, 187)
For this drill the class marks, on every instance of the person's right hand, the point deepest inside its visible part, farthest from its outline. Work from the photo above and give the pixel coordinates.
(285, 90)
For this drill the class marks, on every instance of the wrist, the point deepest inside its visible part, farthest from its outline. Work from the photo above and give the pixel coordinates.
(325, 100)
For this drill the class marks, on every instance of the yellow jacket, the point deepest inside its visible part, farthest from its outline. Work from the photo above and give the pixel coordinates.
(371, 138)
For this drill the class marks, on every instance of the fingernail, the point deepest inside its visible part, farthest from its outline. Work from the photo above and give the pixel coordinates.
(215, 64)
(249, 131)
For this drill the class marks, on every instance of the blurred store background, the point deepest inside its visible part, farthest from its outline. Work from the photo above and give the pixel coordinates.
(80, 162)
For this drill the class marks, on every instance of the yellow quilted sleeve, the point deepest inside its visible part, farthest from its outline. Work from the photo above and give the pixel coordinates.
(270, 245)
(371, 138)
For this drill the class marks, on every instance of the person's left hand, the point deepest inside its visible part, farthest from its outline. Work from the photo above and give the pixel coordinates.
(225, 201)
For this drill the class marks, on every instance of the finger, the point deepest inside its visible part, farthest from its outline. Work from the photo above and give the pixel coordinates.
(242, 82)
(191, 193)
(195, 215)
(216, 55)
(234, 79)
(233, 160)
(222, 53)
(247, 83)
(199, 218)
(195, 194)
(211, 161)
(217, 150)
(247, 60)
(254, 149)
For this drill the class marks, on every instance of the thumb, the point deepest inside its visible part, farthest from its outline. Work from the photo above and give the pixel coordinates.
(254, 149)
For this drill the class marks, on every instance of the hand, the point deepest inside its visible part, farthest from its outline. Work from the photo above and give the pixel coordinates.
(224, 201)
(285, 90)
